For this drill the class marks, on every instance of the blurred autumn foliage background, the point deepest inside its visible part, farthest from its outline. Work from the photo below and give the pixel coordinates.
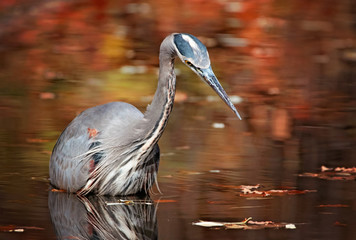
(293, 62)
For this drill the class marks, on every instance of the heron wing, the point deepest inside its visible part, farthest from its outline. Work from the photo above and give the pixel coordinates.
(70, 165)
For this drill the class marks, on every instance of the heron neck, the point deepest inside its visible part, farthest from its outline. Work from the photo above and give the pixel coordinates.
(157, 113)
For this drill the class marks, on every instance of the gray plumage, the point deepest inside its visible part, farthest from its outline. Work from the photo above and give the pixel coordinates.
(112, 149)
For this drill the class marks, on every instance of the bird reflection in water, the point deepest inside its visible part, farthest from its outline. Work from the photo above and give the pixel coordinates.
(102, 217)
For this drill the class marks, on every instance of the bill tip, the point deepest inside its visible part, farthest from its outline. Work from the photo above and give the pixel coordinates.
(237, 114)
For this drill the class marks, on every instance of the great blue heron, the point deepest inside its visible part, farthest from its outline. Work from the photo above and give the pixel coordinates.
(112, 149)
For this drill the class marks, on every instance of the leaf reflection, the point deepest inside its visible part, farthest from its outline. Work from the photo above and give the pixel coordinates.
(76, 217)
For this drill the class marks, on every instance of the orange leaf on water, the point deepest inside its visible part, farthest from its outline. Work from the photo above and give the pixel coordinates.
(334, 205)
(251, 190)
(338, 173)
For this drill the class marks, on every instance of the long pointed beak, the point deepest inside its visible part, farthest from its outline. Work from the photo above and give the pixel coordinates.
(209, 77)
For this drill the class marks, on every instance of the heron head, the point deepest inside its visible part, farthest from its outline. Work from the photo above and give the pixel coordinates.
(195, 55)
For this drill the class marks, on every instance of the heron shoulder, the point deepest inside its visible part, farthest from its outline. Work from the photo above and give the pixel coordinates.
(113, 109)
(103, 118)
(111, 112)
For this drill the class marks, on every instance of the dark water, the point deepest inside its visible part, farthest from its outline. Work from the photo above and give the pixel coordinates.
(292, 63)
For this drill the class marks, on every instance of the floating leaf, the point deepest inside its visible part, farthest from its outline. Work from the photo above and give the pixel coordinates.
(274, 192)
(246, 224)
(324, 169)
(220, 224)
(249, 187)
(251, 190)
(260, 222)
(348, 170)
(208, 224)
(338, 173)
(290, 226)
(333, 205)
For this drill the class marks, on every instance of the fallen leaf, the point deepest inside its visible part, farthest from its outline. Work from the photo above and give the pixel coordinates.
(274, 192)
(289, 192)
(250, 186)
(339, 173)
(246, 224)
(234, 226)
(308, 175)
(342, 169)
(290, 226)
(208, 224)
(251, 190)
(220, 224)
(260, 222)
(334, 205)
(324, 169)
(254, 193)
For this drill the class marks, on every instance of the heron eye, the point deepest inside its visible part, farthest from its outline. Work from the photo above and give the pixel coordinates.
(188, 63)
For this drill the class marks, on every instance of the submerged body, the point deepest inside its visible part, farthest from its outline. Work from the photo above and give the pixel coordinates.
(112, 149)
